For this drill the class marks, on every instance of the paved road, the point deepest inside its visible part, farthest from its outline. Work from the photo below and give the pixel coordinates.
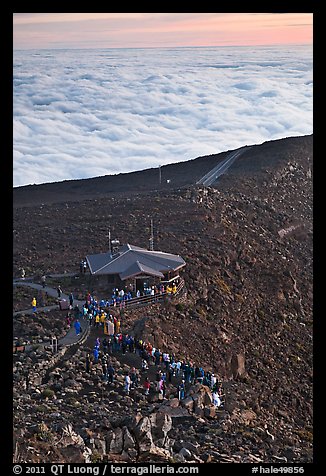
(50, 291)
(220, 169)
(71, 337)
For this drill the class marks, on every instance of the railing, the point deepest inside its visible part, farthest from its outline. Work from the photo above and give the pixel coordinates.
(144, 300)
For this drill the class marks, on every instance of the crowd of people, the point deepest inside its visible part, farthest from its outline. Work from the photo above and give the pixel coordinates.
(119, 297)
(169, 369)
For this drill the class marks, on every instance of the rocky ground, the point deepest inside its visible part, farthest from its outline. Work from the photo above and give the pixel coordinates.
(247, 315)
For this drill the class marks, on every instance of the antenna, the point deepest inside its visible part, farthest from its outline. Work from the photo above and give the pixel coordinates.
(109, 241)
(151, 239)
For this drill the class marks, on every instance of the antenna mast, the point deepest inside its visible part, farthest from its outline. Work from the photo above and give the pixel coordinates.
(109, 241)
(151, 239)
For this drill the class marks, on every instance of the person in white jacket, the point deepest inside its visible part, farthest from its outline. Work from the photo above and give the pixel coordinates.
(127, 384)
(216, 399)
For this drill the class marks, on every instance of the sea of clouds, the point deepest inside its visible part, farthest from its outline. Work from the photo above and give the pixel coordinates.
(85, 113)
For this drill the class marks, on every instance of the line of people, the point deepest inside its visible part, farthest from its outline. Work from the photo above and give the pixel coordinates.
(119, 297)
(183, 372)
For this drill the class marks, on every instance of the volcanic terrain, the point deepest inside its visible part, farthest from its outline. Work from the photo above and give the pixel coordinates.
(247, 313)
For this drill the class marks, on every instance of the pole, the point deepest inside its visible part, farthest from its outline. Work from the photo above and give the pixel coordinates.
(151, 240)
(159, 174)
(109, 237)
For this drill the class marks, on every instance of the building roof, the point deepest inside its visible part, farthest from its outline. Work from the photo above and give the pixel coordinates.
(131, 261)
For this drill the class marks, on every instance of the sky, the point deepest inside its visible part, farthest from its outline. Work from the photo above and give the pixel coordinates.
(126, 30)
(97, 94)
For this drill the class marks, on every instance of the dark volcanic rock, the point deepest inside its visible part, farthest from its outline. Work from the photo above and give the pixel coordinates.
(247, 314)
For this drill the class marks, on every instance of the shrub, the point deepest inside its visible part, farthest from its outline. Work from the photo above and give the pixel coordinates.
(48, 393)
(179, 307)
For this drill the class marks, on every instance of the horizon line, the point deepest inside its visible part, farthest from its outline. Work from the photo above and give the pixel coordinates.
(165, 47)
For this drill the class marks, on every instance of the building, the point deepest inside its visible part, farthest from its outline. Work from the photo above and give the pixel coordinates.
(134, 268)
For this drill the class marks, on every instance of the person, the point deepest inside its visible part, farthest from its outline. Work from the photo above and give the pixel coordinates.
(23, 273)
(170, 373)
(124, 344)
(105, 345)
(110, 373)
(127, 384)
(216, 399)
(88, 363)
(104, 362)
(43, 279)
(27, 380)
(163, 388)
(134, 378)
(96, 354)
(178, 368)
(181, 390)
(213, 381)
(77, 312)
(85, 265)
(147, 386)
(201, 375)
(71, 299)
(105, 372)
(166, 359)
(144, 365)
(34, 304)
(69, 320)
(157, 356)
(110, 345)
(59, 291)
(158, 378)
(98, 342)
(77, 327)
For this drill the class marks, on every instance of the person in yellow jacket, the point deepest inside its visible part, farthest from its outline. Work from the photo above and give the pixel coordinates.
(97, 320)
(34, 304)
(102, 318)
(174, 289)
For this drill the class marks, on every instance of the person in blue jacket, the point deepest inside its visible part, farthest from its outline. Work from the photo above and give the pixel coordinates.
(77, 327)
(96, 354)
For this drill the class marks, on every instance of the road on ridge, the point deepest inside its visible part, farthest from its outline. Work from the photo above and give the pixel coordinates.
(220, 168)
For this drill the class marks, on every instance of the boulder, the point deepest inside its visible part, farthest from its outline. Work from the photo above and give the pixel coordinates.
(174, 412)
(173, 403)
(143, 434)
(115, 441)
(248, 416)
(237, 365)
(161, 424)
(210, 412)
(185, 453)
(188, 403)
(128, 440)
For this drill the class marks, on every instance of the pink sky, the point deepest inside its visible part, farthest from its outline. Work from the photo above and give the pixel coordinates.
(124, 30)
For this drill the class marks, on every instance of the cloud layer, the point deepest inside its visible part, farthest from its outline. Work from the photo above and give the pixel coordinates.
(85, 113)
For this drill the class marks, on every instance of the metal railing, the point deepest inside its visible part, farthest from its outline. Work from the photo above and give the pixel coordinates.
(150, 299)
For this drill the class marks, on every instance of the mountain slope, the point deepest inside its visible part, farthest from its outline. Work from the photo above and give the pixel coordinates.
(247, 243)
(181, 174)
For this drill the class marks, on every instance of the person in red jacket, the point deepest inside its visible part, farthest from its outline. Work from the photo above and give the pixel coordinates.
(147, 386)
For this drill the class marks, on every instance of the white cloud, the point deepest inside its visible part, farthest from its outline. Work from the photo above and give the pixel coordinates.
(84, 113)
